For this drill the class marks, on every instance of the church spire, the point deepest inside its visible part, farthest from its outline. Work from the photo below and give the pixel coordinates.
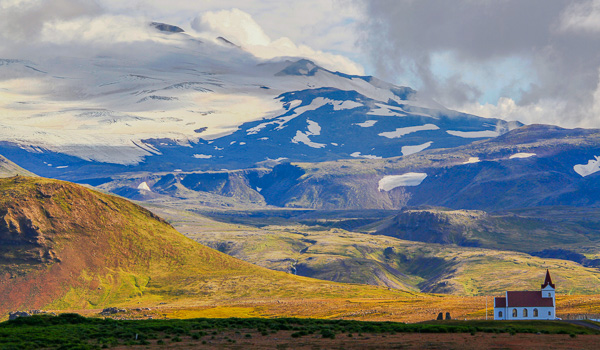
(548, 281)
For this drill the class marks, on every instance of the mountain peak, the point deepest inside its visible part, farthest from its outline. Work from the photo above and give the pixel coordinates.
(301, 67)
(163, 27)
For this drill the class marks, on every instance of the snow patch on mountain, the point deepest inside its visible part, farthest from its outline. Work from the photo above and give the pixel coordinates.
(366, 124)
(297, 111)
(202, 156)
(389, 182)
(408, 150)
(314, 129)
(399, 132)
(386, 111)
(521, 155)
(144, 186)
(472, 160)
(473, 134)
(341, 105)
(592, 166)
(366, 156)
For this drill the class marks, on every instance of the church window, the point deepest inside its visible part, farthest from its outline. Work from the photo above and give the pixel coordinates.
(499, 313)
(549, 295)
(549, 313)
(514, 312)
(535, 312)
(524, 312)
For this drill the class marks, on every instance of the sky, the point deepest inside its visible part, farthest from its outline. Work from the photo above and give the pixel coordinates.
(537, 61)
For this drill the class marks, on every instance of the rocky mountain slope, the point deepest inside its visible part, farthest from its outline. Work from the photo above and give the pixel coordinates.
(531, 166)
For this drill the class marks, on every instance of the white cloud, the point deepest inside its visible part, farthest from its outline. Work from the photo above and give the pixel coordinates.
(7, 4)
(507, 108)
(104, 29)
(326, 25)
(235, 25)
(22, 20)
(240, 28)
(581, 16)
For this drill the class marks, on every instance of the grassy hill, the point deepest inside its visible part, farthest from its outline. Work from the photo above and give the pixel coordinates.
(63, 246)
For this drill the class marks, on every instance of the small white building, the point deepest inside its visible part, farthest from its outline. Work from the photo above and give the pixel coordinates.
(527, 305)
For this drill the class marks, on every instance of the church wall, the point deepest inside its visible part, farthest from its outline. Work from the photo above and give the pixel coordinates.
(544, 313)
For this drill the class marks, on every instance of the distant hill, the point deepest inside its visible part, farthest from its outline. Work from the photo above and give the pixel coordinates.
(63, 246)
(310, 244)
(525, 230)
(8, 169)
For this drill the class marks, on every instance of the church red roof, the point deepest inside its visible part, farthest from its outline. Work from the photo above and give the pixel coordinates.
(527, 299)
(499, 302)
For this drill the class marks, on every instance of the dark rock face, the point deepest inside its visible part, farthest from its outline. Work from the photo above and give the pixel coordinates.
(434, 226)
(565, 254)
(163, 27)
(111, 311)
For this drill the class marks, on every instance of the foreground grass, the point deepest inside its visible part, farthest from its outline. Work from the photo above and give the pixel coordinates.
(72, 331)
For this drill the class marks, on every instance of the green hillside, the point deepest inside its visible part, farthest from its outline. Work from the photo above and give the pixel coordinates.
(338, 255)
(63, 246)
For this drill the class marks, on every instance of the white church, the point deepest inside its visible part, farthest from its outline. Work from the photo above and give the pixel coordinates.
(527, 305)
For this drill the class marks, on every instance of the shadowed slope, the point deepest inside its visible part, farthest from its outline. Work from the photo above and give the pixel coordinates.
(8, 169)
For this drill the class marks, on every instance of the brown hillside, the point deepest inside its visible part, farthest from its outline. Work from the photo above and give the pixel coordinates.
(64, 246)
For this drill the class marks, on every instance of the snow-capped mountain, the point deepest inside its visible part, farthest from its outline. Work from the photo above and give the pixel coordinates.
(183, 104)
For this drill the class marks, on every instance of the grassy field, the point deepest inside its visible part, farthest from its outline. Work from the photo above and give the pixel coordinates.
(72, 331)
(351, 257)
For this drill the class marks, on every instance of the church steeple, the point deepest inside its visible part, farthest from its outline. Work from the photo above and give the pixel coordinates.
(548, 281)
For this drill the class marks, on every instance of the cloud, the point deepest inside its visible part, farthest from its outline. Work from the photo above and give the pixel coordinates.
(326, 25)
(233, 24)
(105, 29)
(529, 60)
(101, 23)
(581, 16)
(23, 20)
(240, 28)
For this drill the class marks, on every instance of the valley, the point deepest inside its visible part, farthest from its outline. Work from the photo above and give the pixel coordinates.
(338, 246)
(189, 178)
(63, 249)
